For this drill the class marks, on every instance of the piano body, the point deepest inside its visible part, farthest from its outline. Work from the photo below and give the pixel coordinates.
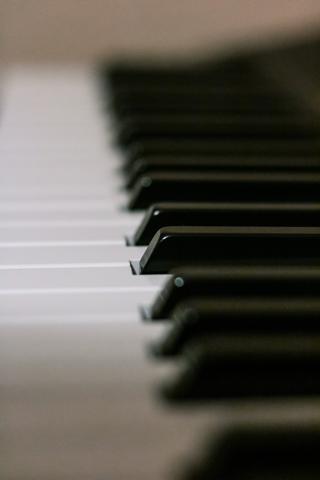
(159, 270)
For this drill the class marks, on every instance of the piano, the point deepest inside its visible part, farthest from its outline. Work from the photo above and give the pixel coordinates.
(159, 269)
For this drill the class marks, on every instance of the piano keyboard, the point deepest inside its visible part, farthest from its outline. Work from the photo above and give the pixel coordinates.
(159, 275)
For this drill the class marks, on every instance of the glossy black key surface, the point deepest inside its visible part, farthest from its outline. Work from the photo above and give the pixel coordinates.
(294, 147)
(198, 319)
(259, 450)
(260, 367)
(199, 163)
(174, 247)
(224, 214)
(224, 187)
(215, 126)
(220, 282)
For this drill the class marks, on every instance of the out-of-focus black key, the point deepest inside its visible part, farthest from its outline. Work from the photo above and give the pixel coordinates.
(147, 165)
(293, 147)
(199, 99)
(124, 105)
(231, 71)
(224, 187)
(173, 247)
(203, 318)
(209, 90)
(274, 450)
(216, 126)
(258, 367)
(224, 214)
(222, 282)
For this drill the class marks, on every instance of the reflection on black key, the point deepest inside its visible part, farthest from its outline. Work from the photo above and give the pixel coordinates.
(199, 163)
(174, 247)
(224, 187)
(215, 126)
(256, 451)
(247, 367)
(228, 214)
(203, 318)
(224, 281)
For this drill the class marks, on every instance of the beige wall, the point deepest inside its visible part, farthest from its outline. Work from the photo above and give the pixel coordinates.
(86, 29)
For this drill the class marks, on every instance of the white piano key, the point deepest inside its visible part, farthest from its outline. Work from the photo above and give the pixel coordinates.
(38, 253)
(116, 277)
(75, 160)
(18, 175)
(68, 220)
(71, 135)
(71, 407)
(103, 300)
(18, 205)
(41, 192)
(71, 319)
(76, 384)
(41, 215)
(20, 168)
(56, 233)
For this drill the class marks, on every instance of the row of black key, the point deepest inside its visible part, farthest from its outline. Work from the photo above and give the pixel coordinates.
(228, 167)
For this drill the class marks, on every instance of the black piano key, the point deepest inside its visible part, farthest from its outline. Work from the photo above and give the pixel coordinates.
(224, 187)
(241, 367)
(127, 102)
(224, 281)
(158, 79)
(224, 214)
(174, 247)
(274, 450)
(207, 87)
(199, 163)
(124, 105)
(204, 161)
(293, 147)
(229, 71)
(216, 126)
(209, 90)
(203, 318)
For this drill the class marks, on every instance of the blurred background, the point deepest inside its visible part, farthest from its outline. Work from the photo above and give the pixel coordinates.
(85, 30)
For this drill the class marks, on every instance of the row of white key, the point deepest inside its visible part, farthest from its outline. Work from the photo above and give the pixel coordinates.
(77, 397)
